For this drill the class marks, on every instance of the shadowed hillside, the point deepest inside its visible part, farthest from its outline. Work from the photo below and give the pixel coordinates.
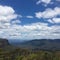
(3, 43)
(44, 44)
(40, 52)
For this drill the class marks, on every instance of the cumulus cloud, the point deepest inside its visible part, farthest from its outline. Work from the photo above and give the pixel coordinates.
(7, 14)
(44, 1)
(16, 22)
(30, 31)
(48, 13)
(29, 16)
(54, 20)
(51, 15)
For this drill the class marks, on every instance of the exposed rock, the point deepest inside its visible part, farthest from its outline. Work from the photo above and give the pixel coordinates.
(3, 42)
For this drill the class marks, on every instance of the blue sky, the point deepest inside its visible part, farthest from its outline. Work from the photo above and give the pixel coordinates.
(28, 7)
(30, 19)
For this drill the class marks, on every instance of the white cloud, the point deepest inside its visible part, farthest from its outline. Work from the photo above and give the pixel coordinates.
(5, 10)
(58, 0)
(16, 22)
(44, 1)
(50, 20)
(7, 14)
(48, 13)
(30, 31)
(54, 20)
(29, 16)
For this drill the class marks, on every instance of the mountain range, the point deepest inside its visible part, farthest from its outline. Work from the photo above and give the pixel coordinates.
(43, 44)
(36, 44)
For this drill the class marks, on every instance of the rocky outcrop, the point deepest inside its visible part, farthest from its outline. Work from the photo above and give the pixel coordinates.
(3, 42)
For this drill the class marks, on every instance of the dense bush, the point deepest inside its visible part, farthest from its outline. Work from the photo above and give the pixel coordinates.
(25, 54)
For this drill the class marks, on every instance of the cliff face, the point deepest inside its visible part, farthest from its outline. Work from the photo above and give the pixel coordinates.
(3, 43)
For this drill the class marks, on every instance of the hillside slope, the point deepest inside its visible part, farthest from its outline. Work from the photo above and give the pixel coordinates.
(40, 44)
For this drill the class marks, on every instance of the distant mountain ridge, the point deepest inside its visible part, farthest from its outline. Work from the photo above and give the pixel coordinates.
(45, 44)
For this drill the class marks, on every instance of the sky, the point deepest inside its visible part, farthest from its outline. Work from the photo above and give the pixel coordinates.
(30, 19)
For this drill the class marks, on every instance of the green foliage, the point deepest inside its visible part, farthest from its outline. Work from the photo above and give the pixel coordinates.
(25, 54)
(19, 57)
